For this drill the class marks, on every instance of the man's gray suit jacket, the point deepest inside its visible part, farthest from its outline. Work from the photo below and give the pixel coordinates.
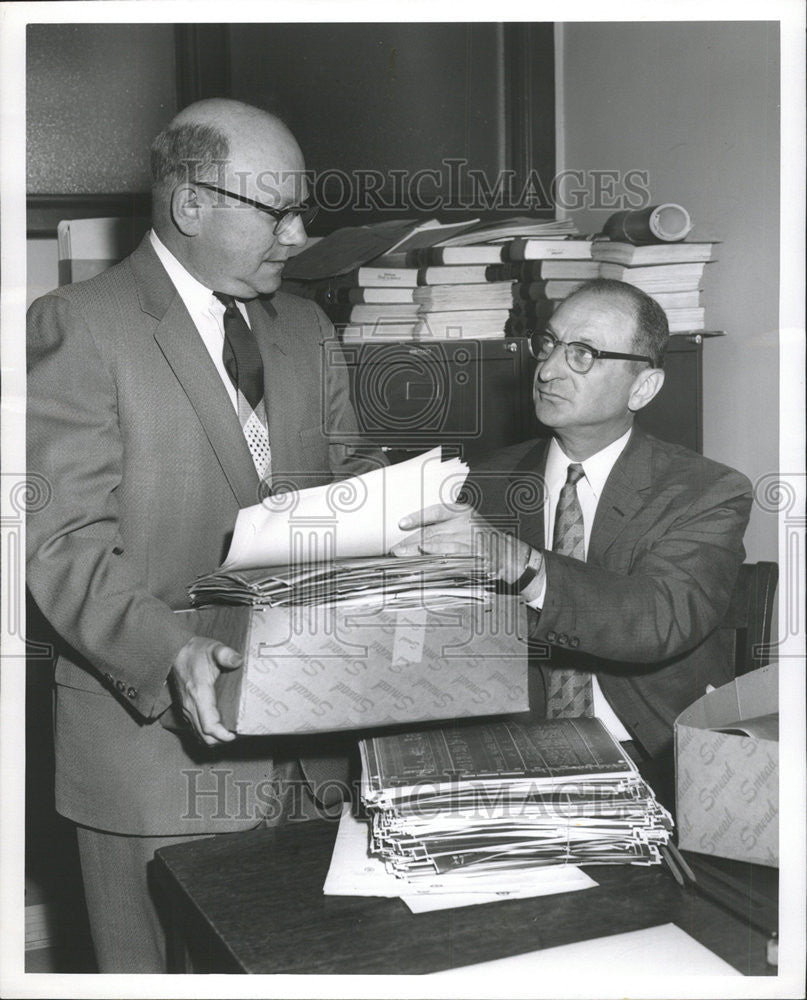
(130, 424)
(643, 610)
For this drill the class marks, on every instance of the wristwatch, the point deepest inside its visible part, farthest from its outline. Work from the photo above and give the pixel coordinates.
(529, 574)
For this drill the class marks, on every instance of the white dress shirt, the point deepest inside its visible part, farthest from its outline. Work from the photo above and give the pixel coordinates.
(596, 470)
(206, 311)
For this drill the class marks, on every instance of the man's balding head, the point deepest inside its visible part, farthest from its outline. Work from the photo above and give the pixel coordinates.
(216, 169)
(227, 143)
(651, 330)
(589, 409)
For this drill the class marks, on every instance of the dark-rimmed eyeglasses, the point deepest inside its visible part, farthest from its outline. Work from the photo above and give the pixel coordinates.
(284, 217)
(579, 357)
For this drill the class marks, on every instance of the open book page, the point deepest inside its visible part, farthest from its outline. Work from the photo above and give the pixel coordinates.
(429, 233)
(350, 519)
(352, 246)
(345, 250)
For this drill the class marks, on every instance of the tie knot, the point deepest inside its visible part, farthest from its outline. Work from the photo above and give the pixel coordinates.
(575, 474)
(226, 300)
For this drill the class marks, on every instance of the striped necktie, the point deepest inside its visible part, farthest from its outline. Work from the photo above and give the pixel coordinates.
(243, 363)
(569, 692)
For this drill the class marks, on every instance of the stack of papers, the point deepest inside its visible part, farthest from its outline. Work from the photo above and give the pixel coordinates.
(349, 519)
(354, 872)
(386, 582)
(502, 798)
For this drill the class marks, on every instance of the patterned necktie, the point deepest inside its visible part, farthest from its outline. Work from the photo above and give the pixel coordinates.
(244, 365)
(569, 692)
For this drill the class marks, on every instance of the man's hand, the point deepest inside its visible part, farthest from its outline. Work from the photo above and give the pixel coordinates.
(193, 675)
(459, 530)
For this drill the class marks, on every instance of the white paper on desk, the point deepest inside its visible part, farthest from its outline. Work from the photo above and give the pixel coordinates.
(547, 883)
(665, 950)
(349, 519)
(354, 873)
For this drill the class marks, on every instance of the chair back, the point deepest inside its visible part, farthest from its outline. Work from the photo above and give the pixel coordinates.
(89, 246)
(750, 614)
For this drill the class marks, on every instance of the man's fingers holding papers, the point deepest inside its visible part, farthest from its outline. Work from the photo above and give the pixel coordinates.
(436, 514)
(433, 544)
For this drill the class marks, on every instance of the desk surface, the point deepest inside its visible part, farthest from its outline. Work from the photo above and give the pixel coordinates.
(253, 902)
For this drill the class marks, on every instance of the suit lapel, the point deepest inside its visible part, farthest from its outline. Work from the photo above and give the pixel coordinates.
(183, 349)
(531, 526)
(278, 377)
(621, 498)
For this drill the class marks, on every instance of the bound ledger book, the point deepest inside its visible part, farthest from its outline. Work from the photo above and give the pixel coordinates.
(499, 796)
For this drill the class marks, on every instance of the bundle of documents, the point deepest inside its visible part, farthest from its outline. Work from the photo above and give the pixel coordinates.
(353, 872)
(348, 519)
(329, 545)
(388, 582)
(504, 797)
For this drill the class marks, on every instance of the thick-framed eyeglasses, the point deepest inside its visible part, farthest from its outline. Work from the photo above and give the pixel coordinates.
(579, 357)
(284, 217)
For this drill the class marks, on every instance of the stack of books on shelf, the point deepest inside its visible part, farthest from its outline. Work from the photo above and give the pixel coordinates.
(461, 286)
(476, 280)
(548, 271)
(379, 302)
(672, 273)
(506, 797)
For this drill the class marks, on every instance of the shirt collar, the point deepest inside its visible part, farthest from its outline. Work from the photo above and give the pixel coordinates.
(193, 293)
(597, 467)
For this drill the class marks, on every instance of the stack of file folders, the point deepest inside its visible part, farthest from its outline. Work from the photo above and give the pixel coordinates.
(505, 797)
(385, 581)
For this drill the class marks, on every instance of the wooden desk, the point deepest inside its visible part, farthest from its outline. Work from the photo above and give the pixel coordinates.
(253, 903)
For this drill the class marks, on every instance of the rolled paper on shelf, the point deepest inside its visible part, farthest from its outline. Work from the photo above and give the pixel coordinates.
(658, 224)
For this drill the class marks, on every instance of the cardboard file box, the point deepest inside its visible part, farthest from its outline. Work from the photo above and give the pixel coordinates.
(319, 669)
(727, 783)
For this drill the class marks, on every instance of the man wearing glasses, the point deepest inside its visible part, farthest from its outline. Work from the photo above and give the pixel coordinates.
(625, 547)
(164, 395)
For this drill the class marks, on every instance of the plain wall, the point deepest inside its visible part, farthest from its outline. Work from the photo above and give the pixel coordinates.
(696, 106)
(97, 94)
(43, 268)
(377, 96)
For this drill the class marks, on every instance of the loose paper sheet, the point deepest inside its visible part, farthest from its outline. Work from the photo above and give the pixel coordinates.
(354, 873)
(660, 951)
(353, 518)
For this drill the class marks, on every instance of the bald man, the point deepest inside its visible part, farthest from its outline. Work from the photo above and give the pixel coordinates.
(163, 396)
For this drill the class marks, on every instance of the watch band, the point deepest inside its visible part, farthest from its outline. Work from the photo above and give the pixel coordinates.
(526, 578)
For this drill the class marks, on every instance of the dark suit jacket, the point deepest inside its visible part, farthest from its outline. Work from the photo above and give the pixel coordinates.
(665, 548)
(130, 423)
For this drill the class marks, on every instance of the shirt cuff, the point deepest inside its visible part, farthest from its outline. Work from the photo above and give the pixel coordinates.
(536, 602)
